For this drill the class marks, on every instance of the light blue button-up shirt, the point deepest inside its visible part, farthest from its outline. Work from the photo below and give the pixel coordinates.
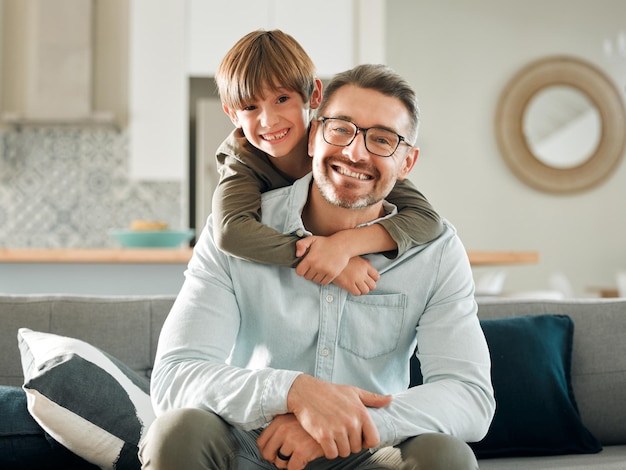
(240, 333)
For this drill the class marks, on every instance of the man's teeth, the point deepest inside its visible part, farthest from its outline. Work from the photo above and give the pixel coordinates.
(352, 174)
(275, 136)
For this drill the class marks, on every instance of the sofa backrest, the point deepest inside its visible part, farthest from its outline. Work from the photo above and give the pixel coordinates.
(125, 327)
(128, 328)
(598, 356)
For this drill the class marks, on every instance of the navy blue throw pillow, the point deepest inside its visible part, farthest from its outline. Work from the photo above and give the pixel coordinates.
(536, 411)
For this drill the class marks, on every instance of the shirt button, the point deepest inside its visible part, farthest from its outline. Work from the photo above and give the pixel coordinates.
(329, 298)
(300, 233)
(325, 352)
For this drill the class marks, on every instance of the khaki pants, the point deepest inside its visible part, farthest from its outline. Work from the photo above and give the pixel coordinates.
(190, 439)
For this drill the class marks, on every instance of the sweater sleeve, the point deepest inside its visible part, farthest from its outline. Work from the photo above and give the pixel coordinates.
(245, 173)
(416, 222)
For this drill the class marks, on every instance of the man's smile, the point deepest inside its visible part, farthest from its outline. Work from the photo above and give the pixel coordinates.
(351, 172)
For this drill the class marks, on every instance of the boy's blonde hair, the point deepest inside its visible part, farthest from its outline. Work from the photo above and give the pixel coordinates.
(264, 58)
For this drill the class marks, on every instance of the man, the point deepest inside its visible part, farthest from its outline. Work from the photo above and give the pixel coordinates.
(260, 368)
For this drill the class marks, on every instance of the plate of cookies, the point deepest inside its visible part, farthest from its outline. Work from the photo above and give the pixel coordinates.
(151, 234)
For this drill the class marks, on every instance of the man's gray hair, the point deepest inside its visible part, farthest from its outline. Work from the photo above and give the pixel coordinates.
(380, 78)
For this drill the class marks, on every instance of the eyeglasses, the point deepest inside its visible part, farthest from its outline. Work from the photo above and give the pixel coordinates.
(379, 141)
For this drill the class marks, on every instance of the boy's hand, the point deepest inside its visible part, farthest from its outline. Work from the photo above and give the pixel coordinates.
(359, 277)
(324, 259)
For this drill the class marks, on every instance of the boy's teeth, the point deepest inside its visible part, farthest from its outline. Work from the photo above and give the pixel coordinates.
(275, 136)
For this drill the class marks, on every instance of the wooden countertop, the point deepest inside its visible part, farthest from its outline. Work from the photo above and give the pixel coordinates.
(605, 292)
(95, 255)
(490, 258)
(182, 255)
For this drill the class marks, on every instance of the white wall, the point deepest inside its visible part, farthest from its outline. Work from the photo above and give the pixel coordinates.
(459, 55)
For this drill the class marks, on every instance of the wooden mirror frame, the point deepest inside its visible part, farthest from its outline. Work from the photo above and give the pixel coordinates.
(597, 87)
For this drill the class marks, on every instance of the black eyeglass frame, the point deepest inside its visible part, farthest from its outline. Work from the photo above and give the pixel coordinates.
(401, 139)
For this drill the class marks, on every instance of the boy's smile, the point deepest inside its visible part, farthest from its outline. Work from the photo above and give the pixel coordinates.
(275, 136)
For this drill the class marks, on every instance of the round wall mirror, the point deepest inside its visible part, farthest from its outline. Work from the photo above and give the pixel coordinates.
(560, 125)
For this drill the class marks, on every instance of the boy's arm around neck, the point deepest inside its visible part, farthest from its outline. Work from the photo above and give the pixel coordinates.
(238, 229)
(416, 222)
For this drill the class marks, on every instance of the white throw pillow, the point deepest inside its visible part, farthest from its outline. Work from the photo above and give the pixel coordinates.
(85, 399)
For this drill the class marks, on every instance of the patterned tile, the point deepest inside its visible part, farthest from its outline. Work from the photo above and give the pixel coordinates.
(65, 187)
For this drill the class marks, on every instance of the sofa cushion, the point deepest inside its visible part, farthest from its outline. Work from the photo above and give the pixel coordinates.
(75, 390)
(598, 359)
(536, 411)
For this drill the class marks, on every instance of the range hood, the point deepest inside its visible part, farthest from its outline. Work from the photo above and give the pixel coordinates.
(47, 63)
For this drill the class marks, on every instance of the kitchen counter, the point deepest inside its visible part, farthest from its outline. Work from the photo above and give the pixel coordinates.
(491, 258)
(96, 255)
(182, 255)
(113, 271)
(130, 271)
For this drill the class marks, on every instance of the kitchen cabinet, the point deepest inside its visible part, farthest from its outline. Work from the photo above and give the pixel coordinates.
(64, 62)
(91, 279)
(123, 271)
(111, 62)
(330, 31)
(158, 117)
(215, 26)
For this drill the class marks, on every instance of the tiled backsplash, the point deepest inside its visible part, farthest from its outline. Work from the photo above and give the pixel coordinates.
(64, 187)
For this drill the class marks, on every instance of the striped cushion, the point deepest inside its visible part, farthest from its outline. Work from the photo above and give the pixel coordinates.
(85, 399)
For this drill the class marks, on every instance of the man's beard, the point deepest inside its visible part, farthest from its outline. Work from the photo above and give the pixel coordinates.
(333, 195)
(362, 202)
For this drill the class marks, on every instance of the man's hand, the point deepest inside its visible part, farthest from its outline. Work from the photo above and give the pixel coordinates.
(285, 434)
(335, 415)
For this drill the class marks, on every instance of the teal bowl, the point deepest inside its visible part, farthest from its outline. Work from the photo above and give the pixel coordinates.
(151, 238)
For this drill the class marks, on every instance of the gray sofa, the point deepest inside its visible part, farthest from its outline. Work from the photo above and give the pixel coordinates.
(128, 328)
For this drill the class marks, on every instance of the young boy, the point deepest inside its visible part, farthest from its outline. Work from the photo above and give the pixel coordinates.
(268, 88)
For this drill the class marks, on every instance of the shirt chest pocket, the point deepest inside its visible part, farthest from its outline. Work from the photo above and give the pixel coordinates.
(371, 325)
